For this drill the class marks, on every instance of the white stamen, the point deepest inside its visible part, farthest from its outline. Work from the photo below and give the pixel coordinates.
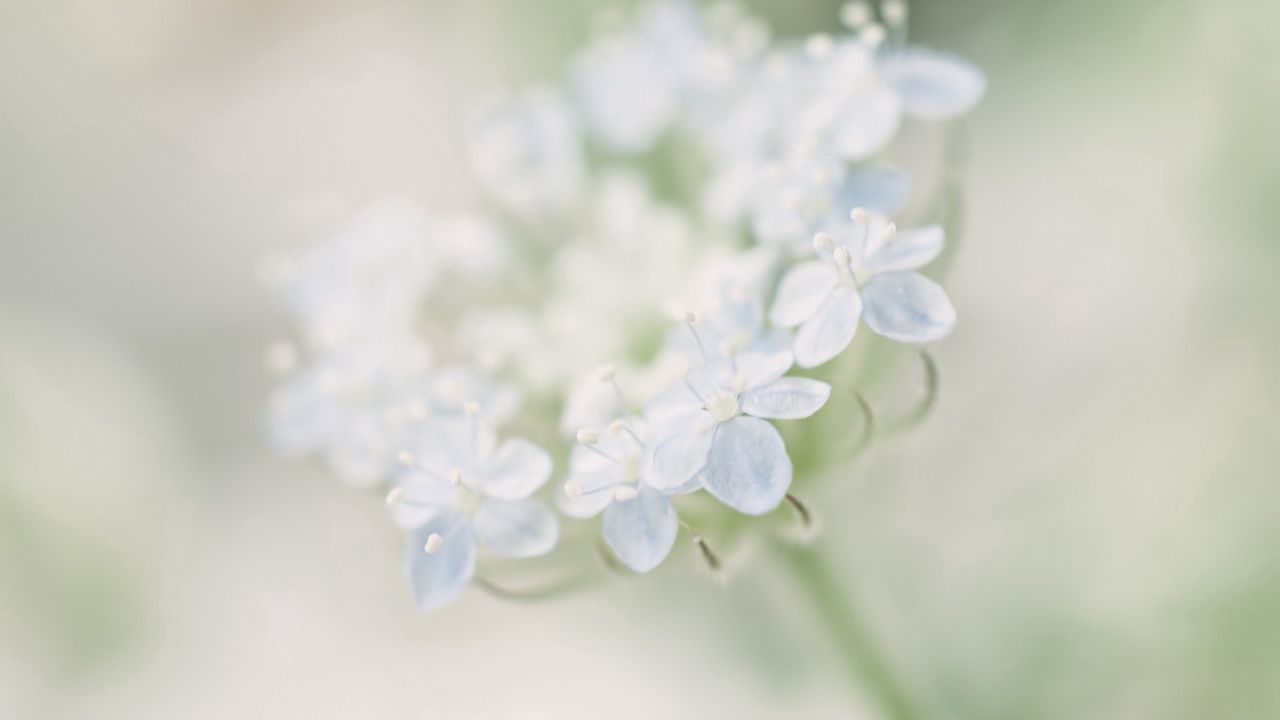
(395, 496)
(723, 406)
(872, 35)
(616, 427)
(573, 488)
(689, 317)
(859, 215)
(822, 242)
(606, 373)
(455, 477)
(433, 544)
(624, 493)
(471, 407)
(890, 231)
(404, 457)
(894, 12)
(841, 256)
(818, 46)
(588, 437)
(739, 382)
(855, 14)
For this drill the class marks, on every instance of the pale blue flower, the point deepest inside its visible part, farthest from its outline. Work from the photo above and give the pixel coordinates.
(611, 473)
(712, 428)
(459, 488)
(866, 271)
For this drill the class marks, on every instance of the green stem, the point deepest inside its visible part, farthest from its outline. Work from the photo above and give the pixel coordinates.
(839, 615)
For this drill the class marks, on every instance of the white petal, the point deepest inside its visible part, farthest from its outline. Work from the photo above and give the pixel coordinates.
(869, 124)
(518, 468)
(641, 531)
(828, 332)
(438, 577)
(908, 307)
(801, 292)
(934, 85)
(760, 368)
(908, 250)
(674, 402)
(748, 468)
(516, 528)
(423, 498)
(684, 451)
(789, 398)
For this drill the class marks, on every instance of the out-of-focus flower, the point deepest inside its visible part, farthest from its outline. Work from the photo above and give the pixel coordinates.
(459, 487)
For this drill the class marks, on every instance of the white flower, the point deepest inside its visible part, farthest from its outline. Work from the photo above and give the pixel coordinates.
(866, 271)
(610, 472)
(458, 488)
(711, 428)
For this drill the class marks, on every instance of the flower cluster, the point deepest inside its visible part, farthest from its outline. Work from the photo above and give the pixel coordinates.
(663, 241)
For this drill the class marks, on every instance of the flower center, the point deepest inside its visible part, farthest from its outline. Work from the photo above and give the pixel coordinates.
(631, 465)
(723, 406)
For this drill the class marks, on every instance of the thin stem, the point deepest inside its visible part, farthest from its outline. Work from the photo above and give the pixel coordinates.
(839, 614)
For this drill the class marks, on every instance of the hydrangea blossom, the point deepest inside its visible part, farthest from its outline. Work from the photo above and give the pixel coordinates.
(688, 162)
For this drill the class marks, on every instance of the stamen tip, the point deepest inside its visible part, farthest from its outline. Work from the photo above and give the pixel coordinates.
(606, 373)
(588, 437)
(433, 544)
(395, 496)
(623, 493)
(823, 242)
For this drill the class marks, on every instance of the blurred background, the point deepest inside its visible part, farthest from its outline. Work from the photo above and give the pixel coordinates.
(1087, 526)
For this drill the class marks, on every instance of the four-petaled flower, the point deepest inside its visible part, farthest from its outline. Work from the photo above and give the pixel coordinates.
(867, 271)
(612, 473)
(459, 487)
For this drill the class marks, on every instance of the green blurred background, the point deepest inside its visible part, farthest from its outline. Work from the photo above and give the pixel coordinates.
(1088, 525)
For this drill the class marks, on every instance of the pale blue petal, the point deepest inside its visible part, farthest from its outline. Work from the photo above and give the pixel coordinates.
(674, 402)
(516, 528)
(869, 124)
(876, 188)
(436, 578)
(789, 398)
(642, 530)
(517, 469)
(760, 368)
(424, 498)
(684, 451)
(934, 85)
(829, 331)
(908, 307)
(908, 250)
(748, 468)
(801, 292)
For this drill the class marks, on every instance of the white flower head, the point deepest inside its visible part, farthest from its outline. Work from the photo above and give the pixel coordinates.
(866, 270)
(458, 488)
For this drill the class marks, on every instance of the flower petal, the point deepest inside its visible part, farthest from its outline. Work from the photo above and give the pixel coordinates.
(789, 398)
(641, 531)
(516, 528)
(869, 124)
(438, 577)
(748, 468)
(908, 307)
(801, 292)
(424, 497)
(517, 469)
(761, 368)
(684, 451)
(934, 85)
(908, 250)
(829, 331)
